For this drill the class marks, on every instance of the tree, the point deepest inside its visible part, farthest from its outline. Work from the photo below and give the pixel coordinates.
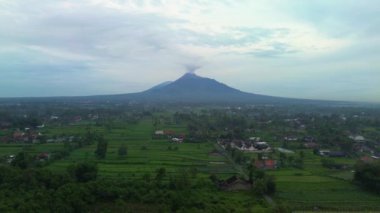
(214, 179)
(83, 172)
(101, 148)
(265, 185)
(161, 173)
(22, 160)
(367, 174)
(298, 163)
(260, 187)
(302, 154)
(123, 151)
(271, 185)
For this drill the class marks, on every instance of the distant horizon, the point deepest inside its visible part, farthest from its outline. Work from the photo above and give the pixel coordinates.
(322, 50)
(171, 81)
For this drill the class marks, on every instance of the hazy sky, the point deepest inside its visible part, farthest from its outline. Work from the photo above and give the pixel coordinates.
(296, 48)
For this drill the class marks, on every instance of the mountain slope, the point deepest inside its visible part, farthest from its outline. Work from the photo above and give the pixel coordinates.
(191, 88)
(161, 85)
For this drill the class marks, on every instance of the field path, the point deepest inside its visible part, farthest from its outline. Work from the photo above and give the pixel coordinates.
(241, 171)
(236, 166)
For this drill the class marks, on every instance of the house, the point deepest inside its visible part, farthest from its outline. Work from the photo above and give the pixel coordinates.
(324, 152)
(254, 139)
(235, 183)
(11, 158)
(77, 118)
(337, 154)
(5, 125)
(367, 159)
(290, 138)
(50, 140)
(357, 138)
(308, 139)
(43, 156)
(159, 132)
(266, 164)
(261, 145)
(18, 135)
(311, 145)
(177, 140)
(53, 117)
(285, 151)
(245, 145)
(169, 132)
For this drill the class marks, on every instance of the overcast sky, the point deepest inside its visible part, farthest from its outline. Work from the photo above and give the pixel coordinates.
(290, 48)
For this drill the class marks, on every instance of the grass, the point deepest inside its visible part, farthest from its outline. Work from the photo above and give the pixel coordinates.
(316, 186)
(146, 155)
(302, 189)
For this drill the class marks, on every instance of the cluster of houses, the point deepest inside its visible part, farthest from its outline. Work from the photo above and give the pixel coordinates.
(361, 145)
(252, 145)
(309, 142)
(41, 157)
(27, 136)
(34, 136)
(31, 135)
(62, 139)
(169, 134)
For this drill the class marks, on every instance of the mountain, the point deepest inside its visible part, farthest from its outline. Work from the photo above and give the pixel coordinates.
(191, 88)
(161, 85)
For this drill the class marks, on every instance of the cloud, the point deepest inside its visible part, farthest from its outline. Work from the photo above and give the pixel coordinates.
(191, 68)
(117, 46)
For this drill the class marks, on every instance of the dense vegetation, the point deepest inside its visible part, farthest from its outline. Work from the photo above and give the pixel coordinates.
(368, 175)
(80, 190)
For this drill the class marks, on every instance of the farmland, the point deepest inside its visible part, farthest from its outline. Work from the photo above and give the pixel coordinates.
(199, 166)
(146, 155)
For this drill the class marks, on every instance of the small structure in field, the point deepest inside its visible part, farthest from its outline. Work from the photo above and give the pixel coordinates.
(177, 140)
(367, 159)
(290, 138)
(235, 183)
(159, 132)
(311, 145)
(245, 145)
(285, 151)
(43, 156)
(324, 152)
(337, 154)
(357, 138)
(255, 139)
(266, 164)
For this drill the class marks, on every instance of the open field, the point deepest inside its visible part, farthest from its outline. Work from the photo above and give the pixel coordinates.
(302, 189)
(322, 188)
(146, 155)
